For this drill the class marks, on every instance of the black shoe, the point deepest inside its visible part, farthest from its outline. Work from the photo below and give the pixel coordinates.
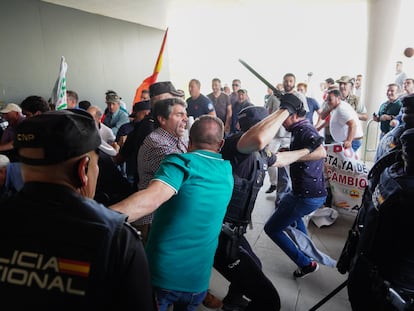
(302, 272)
(271, 189)
(238, 304)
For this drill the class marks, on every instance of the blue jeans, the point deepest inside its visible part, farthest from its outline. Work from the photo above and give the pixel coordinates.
(356, 144)
(290, 211)
(182, 301)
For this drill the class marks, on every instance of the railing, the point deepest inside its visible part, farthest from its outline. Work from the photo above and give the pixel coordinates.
(372, 141)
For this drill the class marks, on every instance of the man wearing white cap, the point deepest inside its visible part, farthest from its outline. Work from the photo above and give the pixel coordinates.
(12, 113)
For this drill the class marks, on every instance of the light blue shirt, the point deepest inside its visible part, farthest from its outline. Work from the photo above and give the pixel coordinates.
(115, 120)
(14, 179)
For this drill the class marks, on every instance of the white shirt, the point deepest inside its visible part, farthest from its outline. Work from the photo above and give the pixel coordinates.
(339, 117)
(107, 134)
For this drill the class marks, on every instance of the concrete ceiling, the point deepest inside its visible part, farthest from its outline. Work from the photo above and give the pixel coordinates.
(151, 13)
(155, 13)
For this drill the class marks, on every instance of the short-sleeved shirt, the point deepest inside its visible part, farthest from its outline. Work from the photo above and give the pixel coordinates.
(313, 106)
(124, 130)
(199, 106)
(392, 109)
(338, 119)
(221, 103)
(234, 97)
(307, 177)
(184, 234)
(153, 150)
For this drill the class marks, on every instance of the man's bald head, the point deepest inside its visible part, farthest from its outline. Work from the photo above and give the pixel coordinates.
(207, 133)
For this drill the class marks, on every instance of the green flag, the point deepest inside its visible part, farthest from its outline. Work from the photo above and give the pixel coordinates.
(59, 90)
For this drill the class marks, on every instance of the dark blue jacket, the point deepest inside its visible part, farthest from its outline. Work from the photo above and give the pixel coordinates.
(62, 251)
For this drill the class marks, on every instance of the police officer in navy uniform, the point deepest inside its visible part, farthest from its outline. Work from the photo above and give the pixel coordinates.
(244, 270)
(61, 250)
(381, 270)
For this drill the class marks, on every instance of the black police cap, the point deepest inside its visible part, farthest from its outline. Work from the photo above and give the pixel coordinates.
(62, 134)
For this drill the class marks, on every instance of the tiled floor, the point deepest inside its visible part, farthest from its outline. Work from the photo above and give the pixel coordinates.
(301, 294)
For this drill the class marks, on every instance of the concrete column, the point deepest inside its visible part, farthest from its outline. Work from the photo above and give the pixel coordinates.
(382, 26)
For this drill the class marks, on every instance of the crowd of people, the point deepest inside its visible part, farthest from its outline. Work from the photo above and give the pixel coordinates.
(136, 208)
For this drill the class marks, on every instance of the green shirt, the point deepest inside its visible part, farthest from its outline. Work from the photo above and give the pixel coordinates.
(184, 233)
(391, 109)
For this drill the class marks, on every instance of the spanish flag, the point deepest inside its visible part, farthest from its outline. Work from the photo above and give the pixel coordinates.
(152, 78)
(74, 267)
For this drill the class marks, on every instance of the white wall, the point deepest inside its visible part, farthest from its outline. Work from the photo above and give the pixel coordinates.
(102, 53)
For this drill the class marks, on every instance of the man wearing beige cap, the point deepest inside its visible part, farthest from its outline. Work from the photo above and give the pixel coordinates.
(115, 117)
(345, 87)
(12, 113)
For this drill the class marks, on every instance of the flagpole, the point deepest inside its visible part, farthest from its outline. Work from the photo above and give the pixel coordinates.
(157, 67)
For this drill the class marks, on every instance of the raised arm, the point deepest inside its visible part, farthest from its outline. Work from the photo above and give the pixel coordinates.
(260, 135)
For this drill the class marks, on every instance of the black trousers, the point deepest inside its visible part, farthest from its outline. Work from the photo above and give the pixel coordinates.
(246, 277)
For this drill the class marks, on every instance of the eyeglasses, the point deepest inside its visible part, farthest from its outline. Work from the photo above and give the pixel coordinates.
(235, 84)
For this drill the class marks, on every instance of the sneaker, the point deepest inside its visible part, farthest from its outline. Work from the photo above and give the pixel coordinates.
(212, 302)
(271, 189)
(302, 272)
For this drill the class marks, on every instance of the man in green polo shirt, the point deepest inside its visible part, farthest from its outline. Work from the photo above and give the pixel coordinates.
(190, 193)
